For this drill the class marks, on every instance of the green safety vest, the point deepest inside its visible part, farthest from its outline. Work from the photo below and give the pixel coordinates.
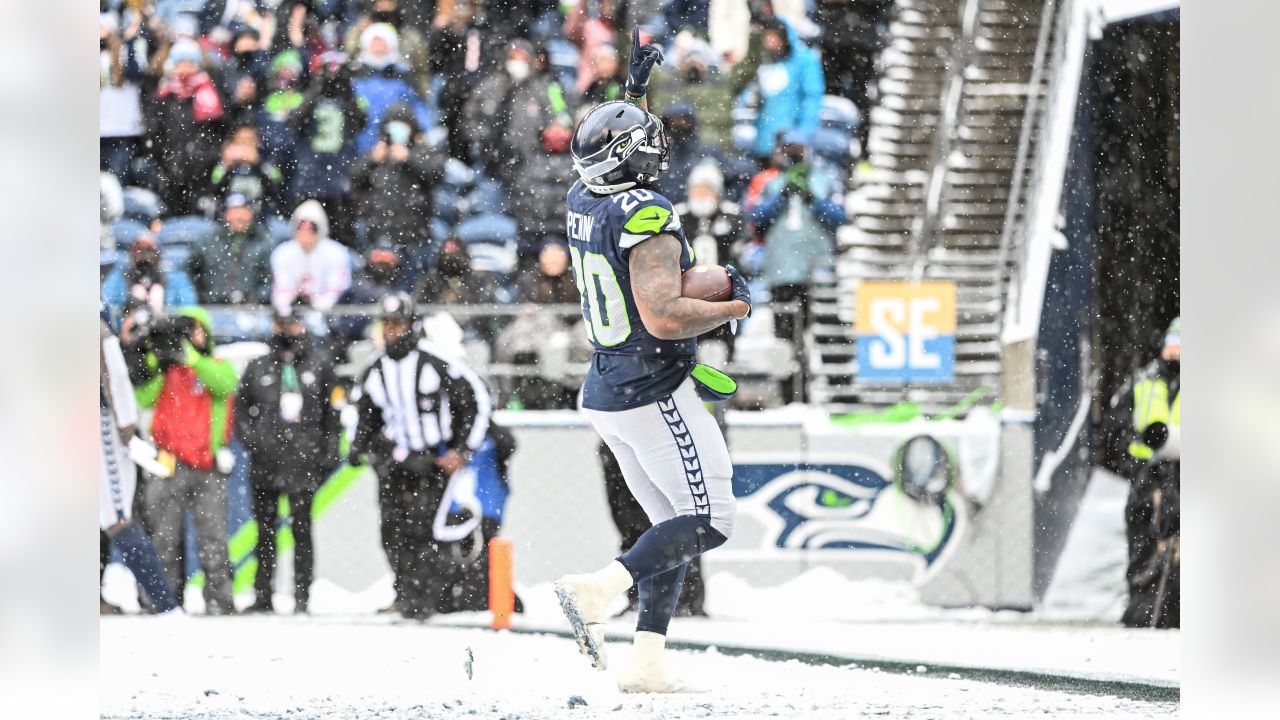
(1151, 405)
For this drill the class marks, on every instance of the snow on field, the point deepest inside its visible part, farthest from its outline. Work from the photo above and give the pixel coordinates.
(363, 667)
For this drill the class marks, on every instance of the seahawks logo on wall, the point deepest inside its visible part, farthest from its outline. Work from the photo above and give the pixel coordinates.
(906, 509)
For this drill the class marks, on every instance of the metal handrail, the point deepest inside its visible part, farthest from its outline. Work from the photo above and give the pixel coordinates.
(926, 228)
(1024, 143)
(1038, 186)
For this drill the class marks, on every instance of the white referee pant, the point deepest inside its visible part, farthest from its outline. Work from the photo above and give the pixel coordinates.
(673, 457)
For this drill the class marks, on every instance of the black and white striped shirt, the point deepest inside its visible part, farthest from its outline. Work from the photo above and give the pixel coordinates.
(422, 402)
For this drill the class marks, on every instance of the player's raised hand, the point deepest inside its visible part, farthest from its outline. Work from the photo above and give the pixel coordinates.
(643, 58)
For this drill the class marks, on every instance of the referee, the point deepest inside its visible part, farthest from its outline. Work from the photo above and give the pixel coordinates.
(420, 418)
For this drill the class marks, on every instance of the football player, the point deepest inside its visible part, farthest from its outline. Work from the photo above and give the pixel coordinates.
(644, 389)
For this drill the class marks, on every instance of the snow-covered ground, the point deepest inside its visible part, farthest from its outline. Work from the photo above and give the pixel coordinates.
(344, 661)
(362, 667)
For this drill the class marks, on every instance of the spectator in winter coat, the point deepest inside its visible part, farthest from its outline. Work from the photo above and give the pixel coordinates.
(126, 62)
(234, 266)
(326, 124)
(242, 170)
(244, 75)
(697, 81)
(798, 217)
(853, 33)
(551, 280)
(687, 15)
(144, 280)
(610, 79)
(284, 95)
(457, 51)
(190, 391)
(590, 25)
(393, 182)
(729, 29)
(452, 281)
(791, 87)
(286, 418)
(537, 203)
(185, 125)
(381, 82)
(383, 273)
(297, 29)
(508, 111)
(712, 224)
(311, 268)
(686, 150)
(413, 46)
(215, 13)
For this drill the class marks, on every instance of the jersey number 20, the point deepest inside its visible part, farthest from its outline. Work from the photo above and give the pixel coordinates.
(603, 305)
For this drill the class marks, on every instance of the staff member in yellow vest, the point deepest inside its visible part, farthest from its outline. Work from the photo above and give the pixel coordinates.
(1147, 416)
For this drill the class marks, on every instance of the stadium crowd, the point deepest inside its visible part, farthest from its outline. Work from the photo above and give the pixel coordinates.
(273, 169)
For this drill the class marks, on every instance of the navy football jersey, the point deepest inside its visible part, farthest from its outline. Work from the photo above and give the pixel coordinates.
(630, 367)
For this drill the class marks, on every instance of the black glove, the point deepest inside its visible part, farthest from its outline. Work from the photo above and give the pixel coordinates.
(740, 292)
(1156, 435)
(643, 58)
(355, 459)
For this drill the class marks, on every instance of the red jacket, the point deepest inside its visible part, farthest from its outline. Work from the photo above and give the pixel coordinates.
(189, 422)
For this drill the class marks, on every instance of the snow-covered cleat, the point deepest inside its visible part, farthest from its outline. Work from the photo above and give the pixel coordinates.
(589, 634)
(650, 677)
(648, 671)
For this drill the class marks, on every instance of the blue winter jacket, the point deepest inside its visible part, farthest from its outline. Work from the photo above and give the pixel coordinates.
(791, 94)
(178, 290)
(379, 90)
(799, 234)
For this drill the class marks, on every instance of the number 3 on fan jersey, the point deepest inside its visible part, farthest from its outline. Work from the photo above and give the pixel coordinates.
(603, 306)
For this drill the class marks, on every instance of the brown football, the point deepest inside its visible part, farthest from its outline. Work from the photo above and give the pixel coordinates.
(706, 282)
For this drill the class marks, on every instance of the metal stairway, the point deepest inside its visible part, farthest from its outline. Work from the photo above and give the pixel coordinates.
(948, 146)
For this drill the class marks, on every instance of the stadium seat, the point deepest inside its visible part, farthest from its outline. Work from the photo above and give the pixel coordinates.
(186, 230)
(278, 229)
(489, 228)
(439, 230)
(447, 204)
(126, 231)
(491, 240)
(142, 205)
(564, 61)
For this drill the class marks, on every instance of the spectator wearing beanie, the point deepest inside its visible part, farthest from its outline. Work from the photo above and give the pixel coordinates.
(185, 125)
(311, 267)
(234, 266)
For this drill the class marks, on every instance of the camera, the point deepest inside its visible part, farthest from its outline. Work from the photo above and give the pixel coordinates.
(161, 335)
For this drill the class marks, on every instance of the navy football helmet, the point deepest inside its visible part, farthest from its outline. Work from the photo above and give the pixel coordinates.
(618, 146)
